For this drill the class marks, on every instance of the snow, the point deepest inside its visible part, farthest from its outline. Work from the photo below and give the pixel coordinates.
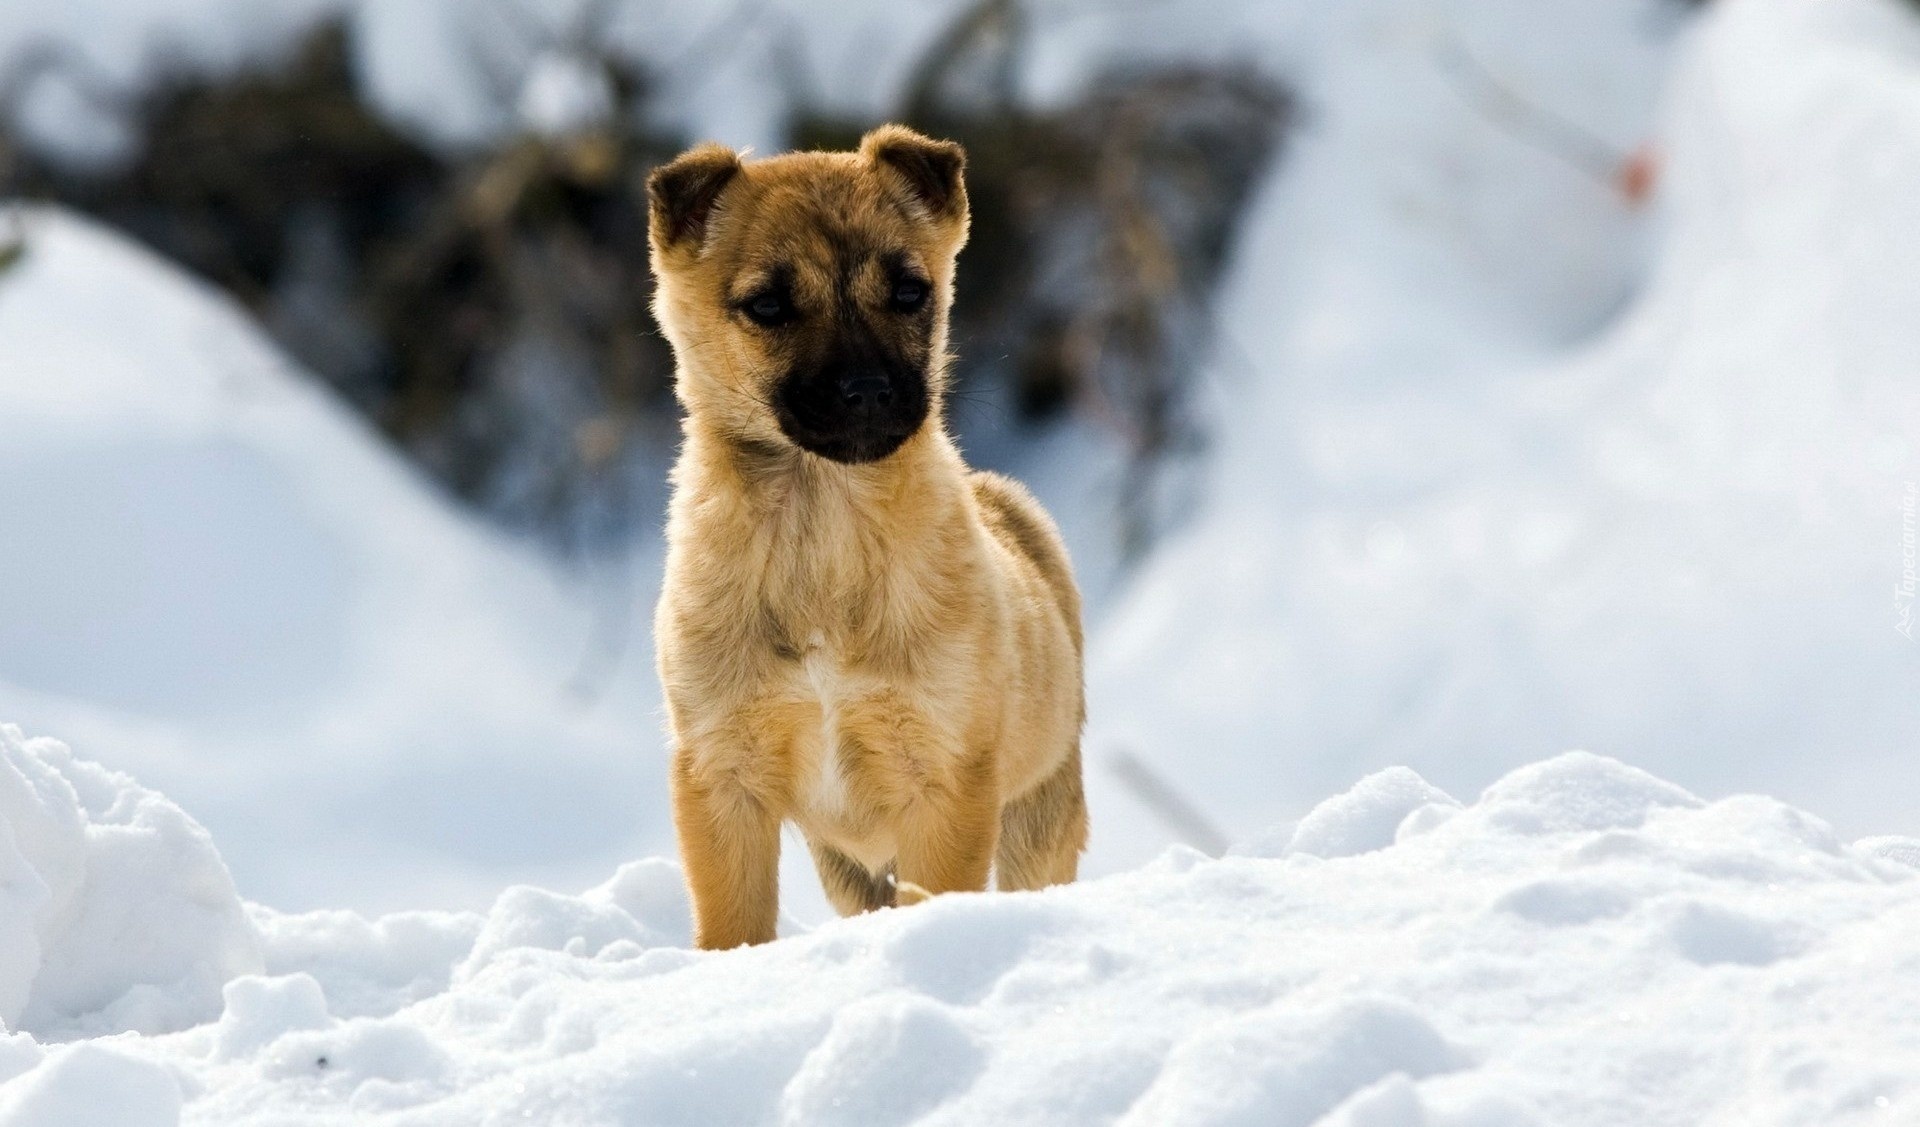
(1365, 817)
(564, 94)
(711, 60)
(93, 1083)
(1509, 468)
(1505, 465)
(231, 589)
(437, 67)
(1583, 944)
(116, 912)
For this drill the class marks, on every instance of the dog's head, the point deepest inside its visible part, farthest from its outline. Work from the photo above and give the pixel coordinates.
(806, 295)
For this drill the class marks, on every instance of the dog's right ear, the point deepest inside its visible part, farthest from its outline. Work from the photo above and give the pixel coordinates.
(681, 193)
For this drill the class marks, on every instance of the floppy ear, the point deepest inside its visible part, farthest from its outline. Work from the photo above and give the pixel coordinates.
(931, 170)
(681, 193)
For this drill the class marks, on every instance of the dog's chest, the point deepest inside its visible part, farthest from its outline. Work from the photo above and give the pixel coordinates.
(823, 783)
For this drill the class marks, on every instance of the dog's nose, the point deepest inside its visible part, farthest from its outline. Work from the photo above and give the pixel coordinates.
(866, 392)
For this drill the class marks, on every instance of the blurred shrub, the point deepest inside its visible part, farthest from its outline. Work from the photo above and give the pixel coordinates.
(488, 309)
(13, 242)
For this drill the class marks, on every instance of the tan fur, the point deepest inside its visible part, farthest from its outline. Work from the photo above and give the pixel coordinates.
(886, 654)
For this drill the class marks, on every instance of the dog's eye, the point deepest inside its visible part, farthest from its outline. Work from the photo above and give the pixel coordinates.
(909, 294)
(769, 309)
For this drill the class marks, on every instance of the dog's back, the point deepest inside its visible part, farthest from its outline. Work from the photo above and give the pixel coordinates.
(1023, 527)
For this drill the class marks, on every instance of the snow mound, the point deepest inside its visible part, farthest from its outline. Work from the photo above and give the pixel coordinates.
(92, 1083)
(1275, 1067)
(1492, 479)
(1366, 817)
(1584, 945)
(1905, 850)
(116, 913)
(240, 595)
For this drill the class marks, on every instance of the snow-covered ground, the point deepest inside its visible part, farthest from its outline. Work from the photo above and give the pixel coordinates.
(1583, 945)
(1505, 466)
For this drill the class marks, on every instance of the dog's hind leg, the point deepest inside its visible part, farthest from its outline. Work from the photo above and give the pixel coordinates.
(850, 888)
(1043, 831)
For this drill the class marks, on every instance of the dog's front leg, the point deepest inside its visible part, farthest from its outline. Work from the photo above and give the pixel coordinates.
(947, 836)
(730, 846)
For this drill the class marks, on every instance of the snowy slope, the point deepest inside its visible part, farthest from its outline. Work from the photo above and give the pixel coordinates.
(1451, 527)
(1583, 945)
(217, 580)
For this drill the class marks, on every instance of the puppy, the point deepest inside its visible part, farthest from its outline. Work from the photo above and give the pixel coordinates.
(856, 634)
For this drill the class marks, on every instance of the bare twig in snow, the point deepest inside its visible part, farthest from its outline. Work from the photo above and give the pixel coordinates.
(1522, 117)
(1173, 809)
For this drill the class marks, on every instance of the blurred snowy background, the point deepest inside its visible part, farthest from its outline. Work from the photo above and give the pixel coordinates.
(1441, 384)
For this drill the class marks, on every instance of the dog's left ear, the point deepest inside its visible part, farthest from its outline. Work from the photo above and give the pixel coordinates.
(932, 171)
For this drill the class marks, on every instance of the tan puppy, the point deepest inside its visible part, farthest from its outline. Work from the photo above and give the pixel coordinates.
(857, 634)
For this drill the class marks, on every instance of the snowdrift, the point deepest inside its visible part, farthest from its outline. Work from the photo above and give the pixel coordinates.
(116, 913)
(1585, 944)
(1452, 527)
(222, 582)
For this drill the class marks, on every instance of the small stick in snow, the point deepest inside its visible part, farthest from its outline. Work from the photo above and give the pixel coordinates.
(1631, 174)
(1167, 804)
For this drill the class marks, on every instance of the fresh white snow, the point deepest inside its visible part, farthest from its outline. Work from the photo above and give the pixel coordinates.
(1451, 527)
(1505, 465)
(1584, 944)
(218, 580)
(116, 912)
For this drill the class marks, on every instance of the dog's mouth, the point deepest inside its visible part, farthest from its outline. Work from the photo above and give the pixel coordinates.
(852, 417)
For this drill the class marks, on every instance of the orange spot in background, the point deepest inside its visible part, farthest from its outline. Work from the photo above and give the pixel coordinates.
(1638, 175)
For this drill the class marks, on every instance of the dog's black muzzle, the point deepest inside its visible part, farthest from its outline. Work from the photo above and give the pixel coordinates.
(852, 413)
